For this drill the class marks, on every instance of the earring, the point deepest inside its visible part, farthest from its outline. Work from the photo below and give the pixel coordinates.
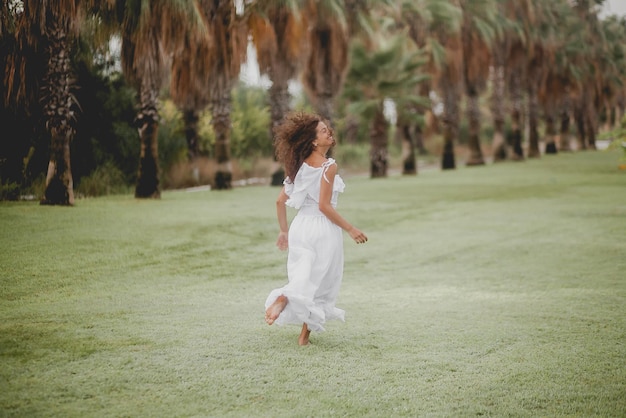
(315, 145)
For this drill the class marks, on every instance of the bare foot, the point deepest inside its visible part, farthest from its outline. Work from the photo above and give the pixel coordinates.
(275, 309)
(304, 335)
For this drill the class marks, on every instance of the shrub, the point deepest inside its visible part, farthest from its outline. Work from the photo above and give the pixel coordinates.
(104, 180)
(9, 190)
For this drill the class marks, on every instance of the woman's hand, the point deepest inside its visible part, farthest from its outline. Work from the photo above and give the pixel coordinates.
(283, 241)
(357, 235)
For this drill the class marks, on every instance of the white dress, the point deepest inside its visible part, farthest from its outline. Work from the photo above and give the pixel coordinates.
(315, 258)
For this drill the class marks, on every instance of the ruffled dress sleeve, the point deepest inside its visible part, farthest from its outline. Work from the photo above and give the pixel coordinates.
(338, 185)
(307, 184)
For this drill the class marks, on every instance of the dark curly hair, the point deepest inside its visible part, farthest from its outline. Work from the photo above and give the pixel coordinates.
(293, 140)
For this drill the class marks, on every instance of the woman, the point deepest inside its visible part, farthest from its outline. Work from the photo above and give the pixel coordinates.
(314, 240)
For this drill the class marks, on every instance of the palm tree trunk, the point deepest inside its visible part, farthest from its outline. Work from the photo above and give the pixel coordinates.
(593, 122)
(220, 110)
(409, 162)
(533, 122)
(148, 126)
(620, 111)
(517, 118)
(190, 119)
(279, 99)
(450, 119)
(418, 134)
(592, 127)
(473, 117)
(59, 184)
(550, 132)
(497, 110)
(378, 153)
(59, 116)
(581, 134)
(564, 135)
(612, 113)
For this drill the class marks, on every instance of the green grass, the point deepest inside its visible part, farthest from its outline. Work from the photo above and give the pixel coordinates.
(487, 291)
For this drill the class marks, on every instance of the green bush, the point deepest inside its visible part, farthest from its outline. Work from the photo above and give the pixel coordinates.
(9, 190)
(250, 136)
(105, 179)
(172, 141)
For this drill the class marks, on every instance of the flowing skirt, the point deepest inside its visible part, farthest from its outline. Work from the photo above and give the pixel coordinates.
(314, 271)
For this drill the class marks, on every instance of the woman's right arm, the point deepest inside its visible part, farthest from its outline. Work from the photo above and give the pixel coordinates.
(281, 213)
(326, 190)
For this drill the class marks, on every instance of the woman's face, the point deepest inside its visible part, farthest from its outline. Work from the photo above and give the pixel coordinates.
(324, 136)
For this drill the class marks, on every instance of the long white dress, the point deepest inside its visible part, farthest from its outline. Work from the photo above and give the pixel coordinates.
(315, 258)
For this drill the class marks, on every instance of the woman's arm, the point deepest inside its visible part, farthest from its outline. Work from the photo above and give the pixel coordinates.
(326, 192)
(281, 213)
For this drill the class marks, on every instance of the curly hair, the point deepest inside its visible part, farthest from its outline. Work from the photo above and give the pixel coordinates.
(293, 140)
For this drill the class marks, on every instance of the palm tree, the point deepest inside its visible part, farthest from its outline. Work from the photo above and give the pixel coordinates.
(511, 52)
(327, 64)
(533, 80)
(498, 100)
(434, 26)
(228, 51)
(188, 87)
(601, 74)
(478, 31)
(24, 67)
(614, 29)
(279, 35)
(51, 27)
(422, 19)
(149, 32)
(386, 71)
(539, 27)
(560, 71)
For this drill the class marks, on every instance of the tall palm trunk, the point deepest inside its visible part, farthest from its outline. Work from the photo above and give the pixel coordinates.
(418, 133)
(279, 99)
(220, 106)
(378, 152)
(581, 132)
(327, 63)
(551, 133)
(592, 119)
(278, 34)
(473, 117)
(409, 162)
(498, 100)
(148, 126)
(620, 110)
(450, 119)
(228, 52)
(592, 127)
(564, 134)
(517, 117)
(533, 121)
(191, 117)
(59, 116)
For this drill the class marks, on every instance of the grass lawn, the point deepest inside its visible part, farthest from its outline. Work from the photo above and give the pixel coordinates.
(486, 291)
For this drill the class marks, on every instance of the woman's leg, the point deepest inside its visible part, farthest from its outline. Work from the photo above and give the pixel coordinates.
(304, 335)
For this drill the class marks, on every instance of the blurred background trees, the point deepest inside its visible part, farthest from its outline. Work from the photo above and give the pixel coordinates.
(123, 95)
